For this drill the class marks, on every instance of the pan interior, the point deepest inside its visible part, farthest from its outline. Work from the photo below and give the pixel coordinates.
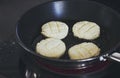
(70, 40)
(70, 12)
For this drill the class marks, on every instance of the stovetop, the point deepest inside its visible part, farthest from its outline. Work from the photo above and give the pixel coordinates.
(11, 64)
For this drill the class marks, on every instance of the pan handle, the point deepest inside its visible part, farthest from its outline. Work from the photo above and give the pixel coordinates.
(115, 56)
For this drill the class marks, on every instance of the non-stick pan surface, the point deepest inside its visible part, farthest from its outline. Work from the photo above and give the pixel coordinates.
(69, 11)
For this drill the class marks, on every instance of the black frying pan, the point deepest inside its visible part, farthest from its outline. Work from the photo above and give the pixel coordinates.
(71, 11)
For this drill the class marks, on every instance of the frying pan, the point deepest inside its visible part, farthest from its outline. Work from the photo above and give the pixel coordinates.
(71, 11)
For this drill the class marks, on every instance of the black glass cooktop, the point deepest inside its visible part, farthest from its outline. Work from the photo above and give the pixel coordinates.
(11, 63)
